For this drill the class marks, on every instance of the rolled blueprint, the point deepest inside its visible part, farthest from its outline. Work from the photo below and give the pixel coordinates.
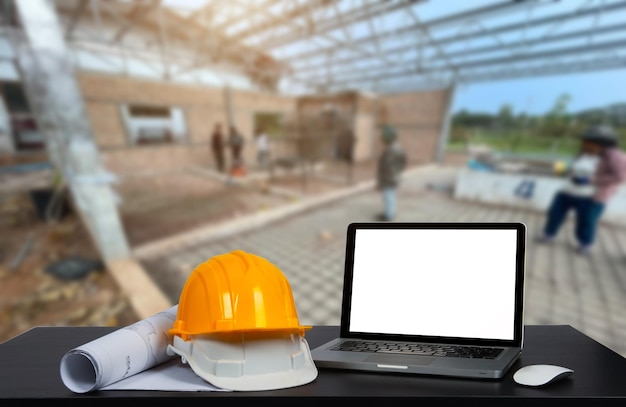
(120, 354)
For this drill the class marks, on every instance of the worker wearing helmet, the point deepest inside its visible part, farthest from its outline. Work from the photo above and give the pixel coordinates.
(237, 326)
(600, 184)
(391, 164)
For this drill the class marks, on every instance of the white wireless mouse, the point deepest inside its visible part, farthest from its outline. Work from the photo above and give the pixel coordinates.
(539, 375)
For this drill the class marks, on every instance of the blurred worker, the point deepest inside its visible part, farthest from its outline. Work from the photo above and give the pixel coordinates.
(236, 142)
(391, 163)
(217, 146)
(345, 144)
(596, 174)
(262, 148)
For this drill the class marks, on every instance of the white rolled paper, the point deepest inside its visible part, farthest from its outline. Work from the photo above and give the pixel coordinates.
(120, 354)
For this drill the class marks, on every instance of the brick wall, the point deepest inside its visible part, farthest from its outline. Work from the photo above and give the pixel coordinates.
(106, 124)
(417, 117)
(202, 106)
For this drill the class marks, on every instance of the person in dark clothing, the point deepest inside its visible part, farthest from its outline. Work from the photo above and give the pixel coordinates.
(600, 185)
(391, 164)
(217, 146)
(345, 145)
(236, 141)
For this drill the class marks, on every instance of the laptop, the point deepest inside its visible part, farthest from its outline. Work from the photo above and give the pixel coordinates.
(441, 299)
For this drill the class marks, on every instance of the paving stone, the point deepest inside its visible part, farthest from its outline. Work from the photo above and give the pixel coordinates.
(562, 287)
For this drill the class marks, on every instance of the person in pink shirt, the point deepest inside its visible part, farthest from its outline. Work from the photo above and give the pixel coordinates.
(609, 173)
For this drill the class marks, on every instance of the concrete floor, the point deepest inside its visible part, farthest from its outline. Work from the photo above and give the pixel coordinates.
(308, 246)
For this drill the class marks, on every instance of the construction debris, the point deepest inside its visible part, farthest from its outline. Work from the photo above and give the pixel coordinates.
(23, 252)
(47, 274)
(74, 268)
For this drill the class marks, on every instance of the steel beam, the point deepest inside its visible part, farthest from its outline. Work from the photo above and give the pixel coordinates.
(74, 17)
(195, 44)
(511, 46)
(292, 14)
(346, 44)
(135, 16)
(446, 125)
(358, 14)
(213, 45)
(548, 69)
(352, 76)
(222, 6)
(541, 70)
(468, 36)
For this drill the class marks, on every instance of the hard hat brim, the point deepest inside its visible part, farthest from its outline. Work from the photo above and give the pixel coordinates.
(250, 363)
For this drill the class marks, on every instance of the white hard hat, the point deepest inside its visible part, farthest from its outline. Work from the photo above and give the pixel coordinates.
(248, 361)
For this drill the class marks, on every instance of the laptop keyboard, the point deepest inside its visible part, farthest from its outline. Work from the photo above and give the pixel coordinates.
(426, 349)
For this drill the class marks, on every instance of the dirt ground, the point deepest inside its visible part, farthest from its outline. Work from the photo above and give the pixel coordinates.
(33, 292)
(156, 206)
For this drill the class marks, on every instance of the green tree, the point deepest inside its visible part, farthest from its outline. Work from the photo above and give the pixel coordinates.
(556, 123)
(505, 118)
(472, 119)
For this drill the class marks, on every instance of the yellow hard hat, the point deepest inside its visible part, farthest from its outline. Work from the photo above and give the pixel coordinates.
(236, 292)
(559, 166)
(237, 326)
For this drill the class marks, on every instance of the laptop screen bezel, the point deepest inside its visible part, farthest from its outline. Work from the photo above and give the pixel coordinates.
(520, 264)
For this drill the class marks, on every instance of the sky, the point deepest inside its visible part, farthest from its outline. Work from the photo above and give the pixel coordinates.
(538, 95)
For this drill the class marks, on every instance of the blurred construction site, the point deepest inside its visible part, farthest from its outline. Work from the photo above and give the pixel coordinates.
(110, 191)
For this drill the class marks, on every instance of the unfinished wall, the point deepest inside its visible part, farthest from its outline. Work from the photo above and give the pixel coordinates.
(106, 124)
(246, 104)
(334, 116)
(365, 127)
(203, 107)
(417, 117)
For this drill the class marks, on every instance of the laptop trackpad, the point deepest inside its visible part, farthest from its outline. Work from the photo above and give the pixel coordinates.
(402, 360)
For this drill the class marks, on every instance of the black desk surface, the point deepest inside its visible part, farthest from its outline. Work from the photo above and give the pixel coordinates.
(29, 371)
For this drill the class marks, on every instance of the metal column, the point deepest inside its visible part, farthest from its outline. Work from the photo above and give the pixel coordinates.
(48, 75)
(228, 103)
(444, 136)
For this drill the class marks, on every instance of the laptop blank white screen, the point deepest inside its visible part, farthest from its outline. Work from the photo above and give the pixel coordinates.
(451, 282)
